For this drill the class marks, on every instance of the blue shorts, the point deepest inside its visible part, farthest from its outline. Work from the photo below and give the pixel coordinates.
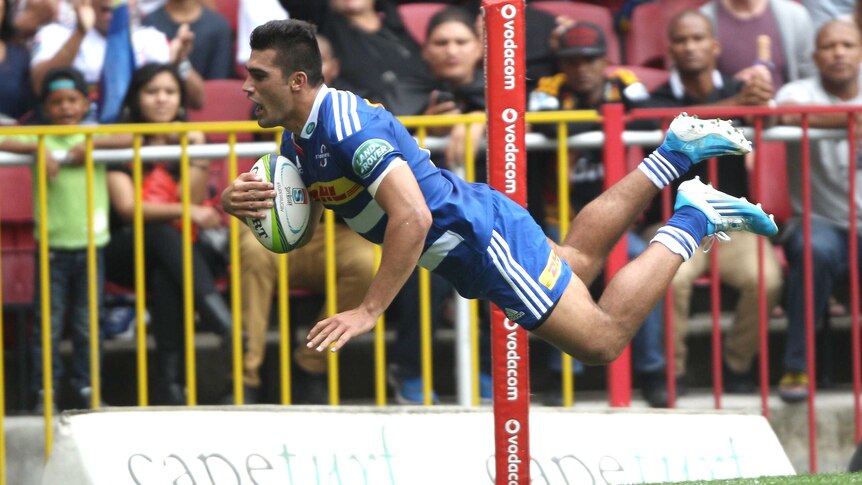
(520, 273)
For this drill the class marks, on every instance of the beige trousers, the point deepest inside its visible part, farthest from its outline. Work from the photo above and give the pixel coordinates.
(354, 270)
(737, 260)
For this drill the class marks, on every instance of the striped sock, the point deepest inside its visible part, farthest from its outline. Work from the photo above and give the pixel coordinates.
(683, 232)
(663, 166)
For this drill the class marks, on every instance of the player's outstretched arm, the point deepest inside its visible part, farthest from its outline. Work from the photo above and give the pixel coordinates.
(406, 229)
(248, 196)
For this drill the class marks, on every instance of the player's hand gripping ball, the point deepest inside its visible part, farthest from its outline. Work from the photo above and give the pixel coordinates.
(286, 222)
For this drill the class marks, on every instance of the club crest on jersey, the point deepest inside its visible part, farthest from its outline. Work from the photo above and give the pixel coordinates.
(368, 155)
(322, 156)
(513, 315)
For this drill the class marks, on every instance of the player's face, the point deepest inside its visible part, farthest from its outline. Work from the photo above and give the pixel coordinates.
(692, 45)
(585, 74)
(66, 106)
(266, 86)
(838, 53)
(452, 52)
(160, 99)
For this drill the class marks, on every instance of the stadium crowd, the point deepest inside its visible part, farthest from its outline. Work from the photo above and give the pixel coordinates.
(419, 60)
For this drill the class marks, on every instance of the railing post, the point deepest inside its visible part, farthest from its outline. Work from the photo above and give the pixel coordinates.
(619, 371)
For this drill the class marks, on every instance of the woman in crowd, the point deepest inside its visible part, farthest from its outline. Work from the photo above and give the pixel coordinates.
(156, 95)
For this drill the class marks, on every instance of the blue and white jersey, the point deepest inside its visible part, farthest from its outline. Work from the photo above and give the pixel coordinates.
(345, 150)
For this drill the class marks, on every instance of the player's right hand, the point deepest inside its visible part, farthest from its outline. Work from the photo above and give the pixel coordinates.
(248, 196)
(338, 329)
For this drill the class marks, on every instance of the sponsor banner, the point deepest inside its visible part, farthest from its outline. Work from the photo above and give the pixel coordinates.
(505, 99)
(314, 445)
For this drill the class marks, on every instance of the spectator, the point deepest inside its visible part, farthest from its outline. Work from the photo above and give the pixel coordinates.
(251, 14)
(737, 24)
(64, 102)
(16, 96)
(822, 11)
(354, 259)
(837, 55)
(453, 53)
(379, 59)
(83, 47)
(694, 80)
(211, 57)
(156, 95)
(31, 15)
(146, 7)
(582, 84)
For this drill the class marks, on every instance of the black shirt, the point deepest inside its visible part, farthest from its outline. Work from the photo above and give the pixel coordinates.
(732, 174)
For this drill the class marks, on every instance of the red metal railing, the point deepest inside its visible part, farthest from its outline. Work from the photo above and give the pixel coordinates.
(614, 121)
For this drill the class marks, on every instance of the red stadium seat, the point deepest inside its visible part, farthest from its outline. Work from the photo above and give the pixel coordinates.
(16, 195)
(596, 14)
(416, 17)
(230, 10)
(646, 43)
(19, 273)
(650, 77)
(225, 101)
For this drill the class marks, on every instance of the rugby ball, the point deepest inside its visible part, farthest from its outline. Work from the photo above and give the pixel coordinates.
(285, 224)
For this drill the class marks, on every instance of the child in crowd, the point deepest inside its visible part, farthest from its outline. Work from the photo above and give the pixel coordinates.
(64, 101)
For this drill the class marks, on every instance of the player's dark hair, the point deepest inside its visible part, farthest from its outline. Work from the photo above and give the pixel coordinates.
(452, 14)
(132, 103)
(295, 44)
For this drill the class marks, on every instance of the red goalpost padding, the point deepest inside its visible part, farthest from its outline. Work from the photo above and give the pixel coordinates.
(505, 95)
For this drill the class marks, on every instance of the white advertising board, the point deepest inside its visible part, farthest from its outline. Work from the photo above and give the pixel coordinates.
(352, 445)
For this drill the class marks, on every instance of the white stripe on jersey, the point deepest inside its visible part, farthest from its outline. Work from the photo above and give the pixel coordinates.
(498, 262)
(367, 218)
(534, 286)
(336, 114)
(346, 98)
(439, 249)
(354, 115)
(396, 162)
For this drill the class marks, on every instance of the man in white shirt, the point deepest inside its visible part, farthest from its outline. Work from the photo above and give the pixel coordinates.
(83, 47)
(838, 54)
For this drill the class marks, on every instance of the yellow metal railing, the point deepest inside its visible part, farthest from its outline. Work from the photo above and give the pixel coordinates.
(419, 123)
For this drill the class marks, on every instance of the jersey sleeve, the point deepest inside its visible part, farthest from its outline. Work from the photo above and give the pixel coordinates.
(370, 153)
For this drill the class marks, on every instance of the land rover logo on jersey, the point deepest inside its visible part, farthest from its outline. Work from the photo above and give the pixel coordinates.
(368, 155)
(513, 315)
(309, 128)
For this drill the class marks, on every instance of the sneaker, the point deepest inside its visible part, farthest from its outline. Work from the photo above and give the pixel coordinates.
(654, 388)
(39, 404)
(793, 386)
(681, 385)
(737, 382)
(250, 395)
(409, 390)
(724, 213)
(700, 139)
(486, 387)
(84, 399)
(310, 388)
